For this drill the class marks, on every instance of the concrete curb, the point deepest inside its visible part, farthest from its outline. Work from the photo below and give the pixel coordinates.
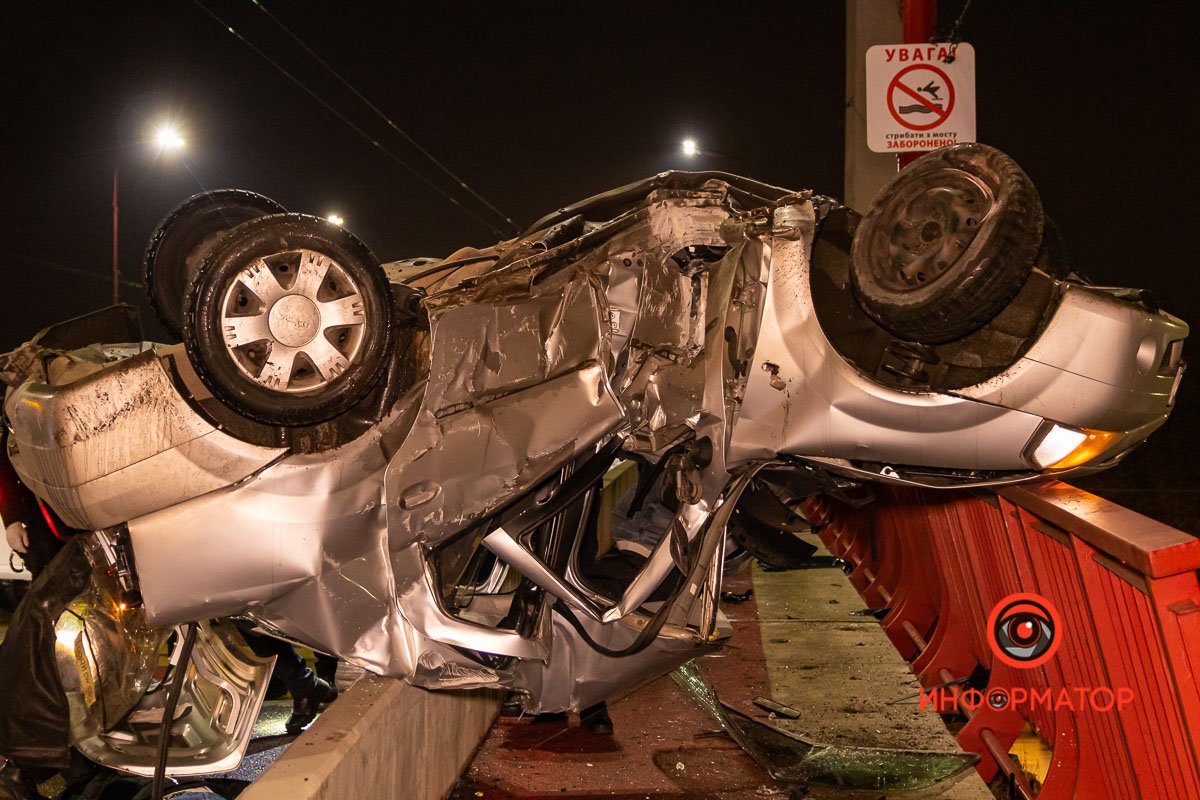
(382, 739)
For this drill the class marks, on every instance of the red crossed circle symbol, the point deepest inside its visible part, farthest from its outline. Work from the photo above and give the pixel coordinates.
(897, 87)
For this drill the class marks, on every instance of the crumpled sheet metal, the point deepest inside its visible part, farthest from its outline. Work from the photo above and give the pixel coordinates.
(668, 357)
(105, 650)
(483, 435)
(531, 367)
(27, 362)
(596, 676)
(483, 351)
(326, 547)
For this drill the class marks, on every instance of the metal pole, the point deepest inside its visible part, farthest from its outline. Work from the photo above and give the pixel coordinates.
(868, 22)
(116, 272)
(920, 25)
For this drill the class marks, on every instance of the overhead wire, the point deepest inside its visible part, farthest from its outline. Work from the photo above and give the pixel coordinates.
(344, 119)
(386, 119)
(955, 34)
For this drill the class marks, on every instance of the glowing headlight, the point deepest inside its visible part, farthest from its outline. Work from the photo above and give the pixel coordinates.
(1061, 447)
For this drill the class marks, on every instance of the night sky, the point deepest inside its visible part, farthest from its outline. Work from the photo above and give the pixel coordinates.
(538, 105)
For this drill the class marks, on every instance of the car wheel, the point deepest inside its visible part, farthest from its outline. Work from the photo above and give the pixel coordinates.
(182, 239)
(289, 320)
(1053, 258)
(947, 244)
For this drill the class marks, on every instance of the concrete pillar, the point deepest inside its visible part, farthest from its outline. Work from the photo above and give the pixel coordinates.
(868, 22)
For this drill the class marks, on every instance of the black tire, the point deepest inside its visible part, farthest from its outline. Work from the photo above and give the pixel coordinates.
(179, 244)
(274, 374)
(1053, 257)
(947, 244)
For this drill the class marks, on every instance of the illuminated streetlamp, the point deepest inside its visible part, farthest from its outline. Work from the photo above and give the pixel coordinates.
(167, 137)
(690, 148)
(168, 140)
(336, 219)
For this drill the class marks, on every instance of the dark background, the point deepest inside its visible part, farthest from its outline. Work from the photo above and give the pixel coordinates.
(541, 104)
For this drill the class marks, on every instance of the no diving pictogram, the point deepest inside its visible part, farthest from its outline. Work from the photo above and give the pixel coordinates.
(923, 100)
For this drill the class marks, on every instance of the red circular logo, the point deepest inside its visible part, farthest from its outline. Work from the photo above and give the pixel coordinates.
(907, 102)
(1024, 630)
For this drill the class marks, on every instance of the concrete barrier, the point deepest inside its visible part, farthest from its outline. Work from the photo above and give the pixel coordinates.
(382, 739)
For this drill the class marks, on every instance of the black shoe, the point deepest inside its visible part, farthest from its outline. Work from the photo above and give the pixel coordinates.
(305, 709)
(596, 721)
(512, 707)
(16, 784)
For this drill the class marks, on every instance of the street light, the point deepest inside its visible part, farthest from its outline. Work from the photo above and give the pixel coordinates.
(691, 148)
(336, 219)
(169, 140)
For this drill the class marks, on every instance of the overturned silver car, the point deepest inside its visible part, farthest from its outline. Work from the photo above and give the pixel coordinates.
(422, 466)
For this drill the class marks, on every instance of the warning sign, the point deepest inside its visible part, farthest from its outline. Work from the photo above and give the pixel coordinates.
(920, 96)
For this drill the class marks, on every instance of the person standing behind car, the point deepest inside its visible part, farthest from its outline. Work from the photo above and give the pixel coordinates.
(32, 529)
(35, 532)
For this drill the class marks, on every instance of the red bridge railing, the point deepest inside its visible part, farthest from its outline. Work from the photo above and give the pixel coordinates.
(1117, 704)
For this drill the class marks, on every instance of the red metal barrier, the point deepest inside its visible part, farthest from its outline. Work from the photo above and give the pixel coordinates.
(1126, 590)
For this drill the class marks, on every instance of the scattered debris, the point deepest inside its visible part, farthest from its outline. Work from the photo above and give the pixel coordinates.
(735, 597)
(795, 760)
(877, 613)
(778, 709)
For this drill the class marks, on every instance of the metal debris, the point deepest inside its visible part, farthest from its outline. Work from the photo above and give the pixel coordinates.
(778, 709)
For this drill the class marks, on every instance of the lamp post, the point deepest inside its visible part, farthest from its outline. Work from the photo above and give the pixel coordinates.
(168, 140)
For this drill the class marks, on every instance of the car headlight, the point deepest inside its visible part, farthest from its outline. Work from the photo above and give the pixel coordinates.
(1057, 446)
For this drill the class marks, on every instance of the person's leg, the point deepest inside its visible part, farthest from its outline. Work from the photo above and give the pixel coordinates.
(326, 668)
(289, 666)
(309, 693)
(595, 719)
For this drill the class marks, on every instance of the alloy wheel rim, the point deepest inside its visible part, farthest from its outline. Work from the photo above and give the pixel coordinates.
(294, 321)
